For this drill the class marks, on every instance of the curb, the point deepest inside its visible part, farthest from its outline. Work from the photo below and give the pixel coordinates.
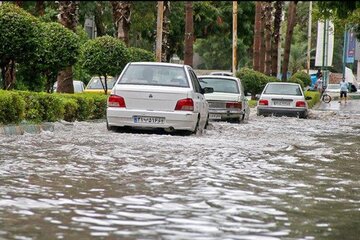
(26, 128)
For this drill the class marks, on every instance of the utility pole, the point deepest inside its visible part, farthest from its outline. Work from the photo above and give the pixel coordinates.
(309, 38)
(189, 34)
(234, 52)
(160, 16)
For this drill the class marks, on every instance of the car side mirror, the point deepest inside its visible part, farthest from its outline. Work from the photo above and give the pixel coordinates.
(207, 90)
(308, 98)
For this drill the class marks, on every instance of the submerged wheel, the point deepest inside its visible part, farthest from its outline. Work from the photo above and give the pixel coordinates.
(326, 98)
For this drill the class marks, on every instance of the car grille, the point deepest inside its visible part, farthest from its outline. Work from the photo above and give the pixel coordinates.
(216, 104)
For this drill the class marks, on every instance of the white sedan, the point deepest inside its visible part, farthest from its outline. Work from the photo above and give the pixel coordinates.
(228, 101)
(284, 99)
(153, 95)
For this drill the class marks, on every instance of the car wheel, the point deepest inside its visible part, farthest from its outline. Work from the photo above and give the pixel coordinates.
(207, 122)
(110, 128)
(198, 130)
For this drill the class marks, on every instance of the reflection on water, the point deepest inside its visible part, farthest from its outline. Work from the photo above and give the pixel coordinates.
(272, 178)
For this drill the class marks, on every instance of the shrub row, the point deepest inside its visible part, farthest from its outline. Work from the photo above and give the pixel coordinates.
(17, 106)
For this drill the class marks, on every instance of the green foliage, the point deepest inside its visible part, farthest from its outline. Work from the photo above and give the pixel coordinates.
(141, 55)
(315, 98)
(11, 107)
(18, 34)
(303, 77)
(45, 107)
(254, 82)
(298, 81)
(104, 56)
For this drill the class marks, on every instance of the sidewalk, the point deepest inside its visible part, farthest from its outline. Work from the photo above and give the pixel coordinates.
(351, 107)
(20, 129)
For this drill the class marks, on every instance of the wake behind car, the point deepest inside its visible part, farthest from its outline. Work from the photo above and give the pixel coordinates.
(153, 95)
(282, 99)
(228, 101)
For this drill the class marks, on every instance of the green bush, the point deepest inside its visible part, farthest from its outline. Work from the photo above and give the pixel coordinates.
(303, 77)
(141, 55)
(297, 80)
(70, 109)
(100, 102)
(254, 82)
(12, 107)
(315, 98)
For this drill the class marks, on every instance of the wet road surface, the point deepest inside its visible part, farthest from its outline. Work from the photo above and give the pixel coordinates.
(270, 178)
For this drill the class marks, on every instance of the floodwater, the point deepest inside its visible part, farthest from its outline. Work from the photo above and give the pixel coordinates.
(270, 178)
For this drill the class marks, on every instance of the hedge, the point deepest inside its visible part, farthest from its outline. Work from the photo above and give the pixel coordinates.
(17, 106)
(302, 78)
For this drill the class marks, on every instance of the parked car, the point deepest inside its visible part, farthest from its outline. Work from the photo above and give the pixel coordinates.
(79, 86)
(282, 99)
(158, 95)
(95, 85)
(228, 101)
(222, 73)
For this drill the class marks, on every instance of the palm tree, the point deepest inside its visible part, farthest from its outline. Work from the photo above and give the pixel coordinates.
(278, 5)
(122, 17)
(268, 18)
(257, 37)
(297, 57)
(40, 8)
(165, 56)
(189, 33)
(262, 42)
(289, 32)
(68, 17)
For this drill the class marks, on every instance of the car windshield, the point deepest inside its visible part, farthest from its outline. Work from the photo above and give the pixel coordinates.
(96, 84)
(283, 89)
(220, 85)
(155, 75)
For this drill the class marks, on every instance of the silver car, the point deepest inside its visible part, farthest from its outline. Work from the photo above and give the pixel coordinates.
(228, 101)
(282, 99)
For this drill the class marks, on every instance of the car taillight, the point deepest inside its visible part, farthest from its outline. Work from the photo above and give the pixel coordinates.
(263, 102)
(186, 104)
(300, 104)
(116, 101)
(233, 105)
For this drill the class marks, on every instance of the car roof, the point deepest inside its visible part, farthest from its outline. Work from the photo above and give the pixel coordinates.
(159, 64)
(218, 77)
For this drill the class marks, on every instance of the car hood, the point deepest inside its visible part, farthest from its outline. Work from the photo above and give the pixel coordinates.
(216, 96)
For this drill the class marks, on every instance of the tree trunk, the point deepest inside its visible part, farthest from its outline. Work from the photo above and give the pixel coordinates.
(67, 17)
(257, 37)
(121, 17)
(8, 74)
(165, 55)
(40, 8)
(268, 20)
(100, 28)
(189, 33)
(262, 39)
(19, 3)
(276, 36)
(289, 33)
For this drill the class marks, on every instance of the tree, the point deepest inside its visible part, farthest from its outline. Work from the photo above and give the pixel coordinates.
(262, 39)
(17, 45)
(165, 34)
(189, 34)
(67, 17)
(122, 17)
(278, 5)
(104, 56)
(141, 55)
(40, 8)
(289, 32)
(268, 20)
(60, 49)
(257, 37)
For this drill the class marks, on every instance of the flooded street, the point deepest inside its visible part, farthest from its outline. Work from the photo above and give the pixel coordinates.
(270, 178)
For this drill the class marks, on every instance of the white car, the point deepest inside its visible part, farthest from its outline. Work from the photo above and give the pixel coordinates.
(222, 74)
(228, 101)
(158, 95)
(79, 86)
(282, 99)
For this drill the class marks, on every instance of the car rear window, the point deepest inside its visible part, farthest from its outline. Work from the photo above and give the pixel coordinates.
(283, 89)
(96, 84)
(155, 75)
(220, 85)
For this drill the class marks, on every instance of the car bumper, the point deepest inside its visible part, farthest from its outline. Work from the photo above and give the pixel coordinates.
(179, 120)
(291, 112)
(225, 114)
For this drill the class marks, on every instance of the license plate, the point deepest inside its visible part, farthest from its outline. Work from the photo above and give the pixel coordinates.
(214, 116)
(144, 119)
(282, 103)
